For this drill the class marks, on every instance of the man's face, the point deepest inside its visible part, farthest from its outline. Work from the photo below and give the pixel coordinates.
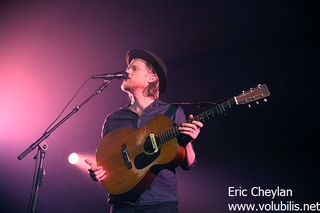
(139, 76)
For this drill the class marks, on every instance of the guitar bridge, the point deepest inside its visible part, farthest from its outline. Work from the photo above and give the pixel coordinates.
(125, 156)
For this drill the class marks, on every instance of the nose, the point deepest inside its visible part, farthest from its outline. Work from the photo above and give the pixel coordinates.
(128, 73)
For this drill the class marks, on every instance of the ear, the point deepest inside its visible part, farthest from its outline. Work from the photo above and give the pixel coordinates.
(152, 78)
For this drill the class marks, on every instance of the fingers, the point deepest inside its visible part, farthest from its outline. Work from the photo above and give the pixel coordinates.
(88, 162)
(91, 166)
(197, 123)
(192, 129)
(101, 176)
(97, 173)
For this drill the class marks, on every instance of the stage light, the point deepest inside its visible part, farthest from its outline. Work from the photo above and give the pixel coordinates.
(73, 158)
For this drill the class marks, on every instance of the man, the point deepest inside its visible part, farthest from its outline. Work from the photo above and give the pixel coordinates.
(147, 80)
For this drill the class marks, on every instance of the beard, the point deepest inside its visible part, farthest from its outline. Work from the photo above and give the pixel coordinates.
(125, 86)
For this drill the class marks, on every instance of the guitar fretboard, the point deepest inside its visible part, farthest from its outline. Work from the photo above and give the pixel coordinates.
(202, 117)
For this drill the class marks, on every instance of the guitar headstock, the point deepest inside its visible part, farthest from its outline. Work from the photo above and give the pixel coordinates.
(253, 94)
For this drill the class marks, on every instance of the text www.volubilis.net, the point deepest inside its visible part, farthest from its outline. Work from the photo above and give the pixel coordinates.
(274, 207)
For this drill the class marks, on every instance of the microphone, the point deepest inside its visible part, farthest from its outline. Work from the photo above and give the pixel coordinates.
(110, 76)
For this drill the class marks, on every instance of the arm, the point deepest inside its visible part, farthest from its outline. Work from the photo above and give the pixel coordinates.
(190, 154)
(192, 130)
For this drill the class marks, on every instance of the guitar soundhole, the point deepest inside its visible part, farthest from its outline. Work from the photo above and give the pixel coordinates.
(151, 150)
(142, 160)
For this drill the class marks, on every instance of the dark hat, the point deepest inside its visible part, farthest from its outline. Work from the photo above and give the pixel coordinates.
(155, 61)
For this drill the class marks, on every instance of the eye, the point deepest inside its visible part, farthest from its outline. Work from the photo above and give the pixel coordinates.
(131, 68)
(134, 68)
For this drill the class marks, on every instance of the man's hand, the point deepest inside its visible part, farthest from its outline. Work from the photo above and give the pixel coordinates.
(97, 173)
(191, 129)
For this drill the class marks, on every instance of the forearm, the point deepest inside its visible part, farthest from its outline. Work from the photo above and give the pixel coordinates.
(190, 154)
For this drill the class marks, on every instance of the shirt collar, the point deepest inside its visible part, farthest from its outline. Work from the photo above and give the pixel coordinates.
(156, 103)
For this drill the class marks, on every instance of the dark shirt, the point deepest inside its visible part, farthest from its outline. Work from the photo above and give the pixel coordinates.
(164, 187)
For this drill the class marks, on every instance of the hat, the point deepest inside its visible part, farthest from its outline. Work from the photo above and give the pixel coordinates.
(155, 61)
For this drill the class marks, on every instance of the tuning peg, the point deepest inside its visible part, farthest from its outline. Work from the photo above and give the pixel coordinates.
(265, 100)
(257, 102)
(249, 105)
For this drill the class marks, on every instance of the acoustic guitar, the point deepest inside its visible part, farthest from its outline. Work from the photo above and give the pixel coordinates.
(129, 155)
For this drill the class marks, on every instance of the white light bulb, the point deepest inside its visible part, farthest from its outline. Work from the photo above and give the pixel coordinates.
(73, 158)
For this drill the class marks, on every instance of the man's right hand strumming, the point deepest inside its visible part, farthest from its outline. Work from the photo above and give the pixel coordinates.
(97, 173)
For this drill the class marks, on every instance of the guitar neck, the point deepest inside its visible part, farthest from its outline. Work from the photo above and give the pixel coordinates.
(202, 117)
(214, 111)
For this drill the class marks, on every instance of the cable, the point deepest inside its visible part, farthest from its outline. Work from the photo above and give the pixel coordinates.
(69, 102)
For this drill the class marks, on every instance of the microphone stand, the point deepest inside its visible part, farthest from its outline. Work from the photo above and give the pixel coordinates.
(38, 176)
(42, 148)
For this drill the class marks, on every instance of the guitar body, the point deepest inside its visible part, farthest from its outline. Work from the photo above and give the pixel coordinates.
(122, 154)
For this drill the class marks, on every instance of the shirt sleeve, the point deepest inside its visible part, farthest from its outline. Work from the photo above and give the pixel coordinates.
(106, 127)
(180, 116)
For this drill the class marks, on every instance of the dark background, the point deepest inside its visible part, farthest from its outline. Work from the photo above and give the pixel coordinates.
(213, 50)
